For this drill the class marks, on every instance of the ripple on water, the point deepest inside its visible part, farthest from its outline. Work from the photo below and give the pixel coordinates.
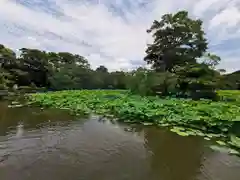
(95, 149)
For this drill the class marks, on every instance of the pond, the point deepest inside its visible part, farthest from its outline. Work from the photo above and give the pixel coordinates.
(37, 144)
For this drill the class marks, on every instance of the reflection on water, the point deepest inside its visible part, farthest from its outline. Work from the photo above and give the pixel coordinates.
(52, 145)
(174, 156)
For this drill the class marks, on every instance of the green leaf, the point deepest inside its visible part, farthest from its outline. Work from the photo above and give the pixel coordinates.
(179, 131)
(147, 124)
(234, 152)
(221, 143)
(235, 141)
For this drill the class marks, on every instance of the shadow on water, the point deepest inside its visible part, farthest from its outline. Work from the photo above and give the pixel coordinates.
(38, 144)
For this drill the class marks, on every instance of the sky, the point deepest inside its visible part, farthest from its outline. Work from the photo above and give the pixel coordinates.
(113, 32)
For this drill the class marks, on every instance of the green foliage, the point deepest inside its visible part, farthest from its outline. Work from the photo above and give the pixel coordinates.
(230, 96)
(55, 71)
(203, 117)
(7, 60)
(7, 56)
(192, 81)
(186, 117)
(5, 79)
(211, 60)
(179, 52)
(140, 82)
(102, 69)
(231, 81)
(70, 76)
(178, 40)
(146, 82)
(235, 141)
(35, 63)
(197, 81)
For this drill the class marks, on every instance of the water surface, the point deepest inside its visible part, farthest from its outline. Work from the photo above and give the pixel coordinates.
(38, 144)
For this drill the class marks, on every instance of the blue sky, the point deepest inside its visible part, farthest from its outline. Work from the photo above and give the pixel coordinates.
(113, 32)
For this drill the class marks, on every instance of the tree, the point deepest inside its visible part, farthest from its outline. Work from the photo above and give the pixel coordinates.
(71, 76)
(231, 81)
(148, 82)
(192, 77)
(7, 57)
(35, 63)
(63, 78)
(178, 40)
(179, 52)
(211, 60)
(197, 81)
(101, 77)
(118, 80)
(7, 64)
(5, 79)
(102, 69)
(68, 58)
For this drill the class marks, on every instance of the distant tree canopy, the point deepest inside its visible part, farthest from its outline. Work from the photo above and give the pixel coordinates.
(55, 71)
(102, 69)
(231, 81)
(181, 65)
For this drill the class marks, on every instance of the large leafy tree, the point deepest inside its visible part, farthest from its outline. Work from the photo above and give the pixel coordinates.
(67, 71)
(57, 71)
(7, 56)
(35, 63)
(118, 80)
(101, 77)
(70, 76)
(179, 49)
(177, 40)
(7, 65)
(68, 58)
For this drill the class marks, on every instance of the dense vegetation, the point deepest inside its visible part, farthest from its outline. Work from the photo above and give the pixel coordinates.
(205, 117)
(55, 71)
(182, 71)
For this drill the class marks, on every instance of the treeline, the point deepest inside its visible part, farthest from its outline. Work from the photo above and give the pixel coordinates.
(54, 71)
(231, 81)
(182, 66)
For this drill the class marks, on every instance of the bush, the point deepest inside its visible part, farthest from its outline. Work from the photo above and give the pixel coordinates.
(204, 95)
(146, 82)
(197, 82)
(229, 95)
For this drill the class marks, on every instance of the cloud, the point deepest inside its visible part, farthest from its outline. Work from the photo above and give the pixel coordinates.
(112, 32)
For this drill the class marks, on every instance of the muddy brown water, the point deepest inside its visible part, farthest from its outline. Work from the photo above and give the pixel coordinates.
(50, 144)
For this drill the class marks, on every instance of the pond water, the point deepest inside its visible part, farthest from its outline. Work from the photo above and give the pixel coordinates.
(38, 144)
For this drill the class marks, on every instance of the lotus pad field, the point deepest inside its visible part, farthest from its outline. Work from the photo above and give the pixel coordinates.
(185, 117)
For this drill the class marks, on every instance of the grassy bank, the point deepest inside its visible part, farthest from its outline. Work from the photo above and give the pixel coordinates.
(230, 96)
(206, 118)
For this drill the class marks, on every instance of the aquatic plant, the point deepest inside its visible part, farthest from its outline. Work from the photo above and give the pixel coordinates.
(185, 117)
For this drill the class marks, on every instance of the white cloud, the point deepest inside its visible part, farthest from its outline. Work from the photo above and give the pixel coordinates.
(104, 36)
(230, 17)
(203, 6)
